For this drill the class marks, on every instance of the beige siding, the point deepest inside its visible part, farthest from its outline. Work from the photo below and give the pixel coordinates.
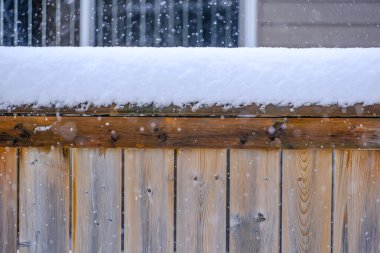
(319, 23)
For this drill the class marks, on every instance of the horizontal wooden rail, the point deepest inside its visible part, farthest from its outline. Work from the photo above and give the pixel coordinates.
(169, 132)
(195, 110)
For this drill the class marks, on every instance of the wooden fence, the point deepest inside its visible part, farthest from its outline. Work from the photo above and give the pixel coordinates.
(189, 184)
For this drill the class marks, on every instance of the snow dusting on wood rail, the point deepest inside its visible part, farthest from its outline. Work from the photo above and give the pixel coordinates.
(248, 111)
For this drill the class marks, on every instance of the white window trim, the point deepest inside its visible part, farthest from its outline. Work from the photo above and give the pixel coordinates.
(248, 23)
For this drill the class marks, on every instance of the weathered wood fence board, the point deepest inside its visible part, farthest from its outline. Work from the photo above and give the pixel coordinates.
(44, 200)
(149, 200)
(8, 199)
(306, 202)
(254, 198)
(280, 201)
(201, 200)
(145, 132)
(96, 198)
(357, 201)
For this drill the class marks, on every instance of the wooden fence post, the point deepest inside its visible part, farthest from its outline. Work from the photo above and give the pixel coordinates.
(8, 199)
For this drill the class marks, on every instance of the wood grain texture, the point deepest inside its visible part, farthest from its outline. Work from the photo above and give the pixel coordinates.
(157, 132)
(149, 200)
(306, 201)
(255, 200)
(8, 199)
(201, 200)
(253, 110)
(96, 200)
(357, 201)
(44, 200)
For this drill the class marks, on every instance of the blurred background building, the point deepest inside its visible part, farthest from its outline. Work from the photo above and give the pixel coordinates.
(190, 23)
(319, 23)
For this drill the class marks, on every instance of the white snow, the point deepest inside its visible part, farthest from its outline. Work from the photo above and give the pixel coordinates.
(42, 128)
(164, 76)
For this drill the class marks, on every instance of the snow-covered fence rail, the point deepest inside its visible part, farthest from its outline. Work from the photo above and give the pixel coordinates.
(269, 182)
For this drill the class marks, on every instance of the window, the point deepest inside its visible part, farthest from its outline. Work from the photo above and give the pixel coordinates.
(39, 23)
(154, 23)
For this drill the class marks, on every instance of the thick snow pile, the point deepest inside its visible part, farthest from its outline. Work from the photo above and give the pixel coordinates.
(69, 76)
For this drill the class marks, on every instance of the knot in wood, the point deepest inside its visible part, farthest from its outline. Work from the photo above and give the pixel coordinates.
(243, 139)
(25, 244)
(22, 135)
(161, 135)
(276, 131)
(260, 218)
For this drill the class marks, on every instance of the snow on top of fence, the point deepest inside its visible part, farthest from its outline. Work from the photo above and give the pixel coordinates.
(164, 76)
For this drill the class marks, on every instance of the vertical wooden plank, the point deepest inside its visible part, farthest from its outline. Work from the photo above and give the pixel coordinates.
(8, 199)
(306, 201)
(201, 200)
(357, 201)
(149, 200)
(96, 200)
(255, 200)
(44, 200)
